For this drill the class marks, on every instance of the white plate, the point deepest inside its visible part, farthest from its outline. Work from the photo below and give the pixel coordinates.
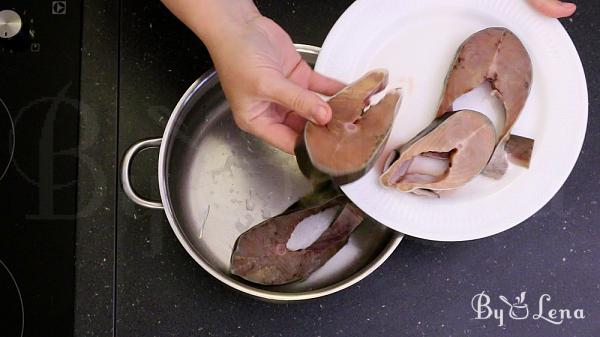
(416, 41)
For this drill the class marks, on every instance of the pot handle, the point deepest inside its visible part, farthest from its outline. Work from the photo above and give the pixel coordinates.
(126, 170)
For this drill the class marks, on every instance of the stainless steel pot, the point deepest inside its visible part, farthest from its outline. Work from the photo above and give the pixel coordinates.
(217, 181)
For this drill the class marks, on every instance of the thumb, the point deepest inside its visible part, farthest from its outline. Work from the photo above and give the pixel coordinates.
(554, 8)
(303, 101)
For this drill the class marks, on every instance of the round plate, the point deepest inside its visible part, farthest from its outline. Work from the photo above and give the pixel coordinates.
(416, 40)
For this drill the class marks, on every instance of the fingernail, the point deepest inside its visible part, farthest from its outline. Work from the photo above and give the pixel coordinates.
(321, 115)
(567, 5)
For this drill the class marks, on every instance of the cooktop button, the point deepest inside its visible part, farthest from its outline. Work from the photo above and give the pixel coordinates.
(10, 24)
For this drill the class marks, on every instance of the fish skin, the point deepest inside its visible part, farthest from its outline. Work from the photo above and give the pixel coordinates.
(519, 150)
(496, 55)
(423, 192)
(498, 164)
(260, 254)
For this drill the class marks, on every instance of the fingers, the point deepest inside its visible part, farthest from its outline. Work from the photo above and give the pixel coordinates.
(281, 135)
(295, 121)
(554, 8)
(324, 85)
(303, 101)
(277, 135)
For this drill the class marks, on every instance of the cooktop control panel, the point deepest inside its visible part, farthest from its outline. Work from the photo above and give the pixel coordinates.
(17, 30)
(30, 26)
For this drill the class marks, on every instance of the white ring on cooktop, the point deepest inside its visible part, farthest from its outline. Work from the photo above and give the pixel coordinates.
(19, 293)
(14, 138)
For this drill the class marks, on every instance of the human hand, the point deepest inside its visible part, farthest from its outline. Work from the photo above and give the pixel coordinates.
(554, 8)
(270, 89)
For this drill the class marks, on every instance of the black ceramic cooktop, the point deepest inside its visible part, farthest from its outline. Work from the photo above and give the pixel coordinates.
(39, 125)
